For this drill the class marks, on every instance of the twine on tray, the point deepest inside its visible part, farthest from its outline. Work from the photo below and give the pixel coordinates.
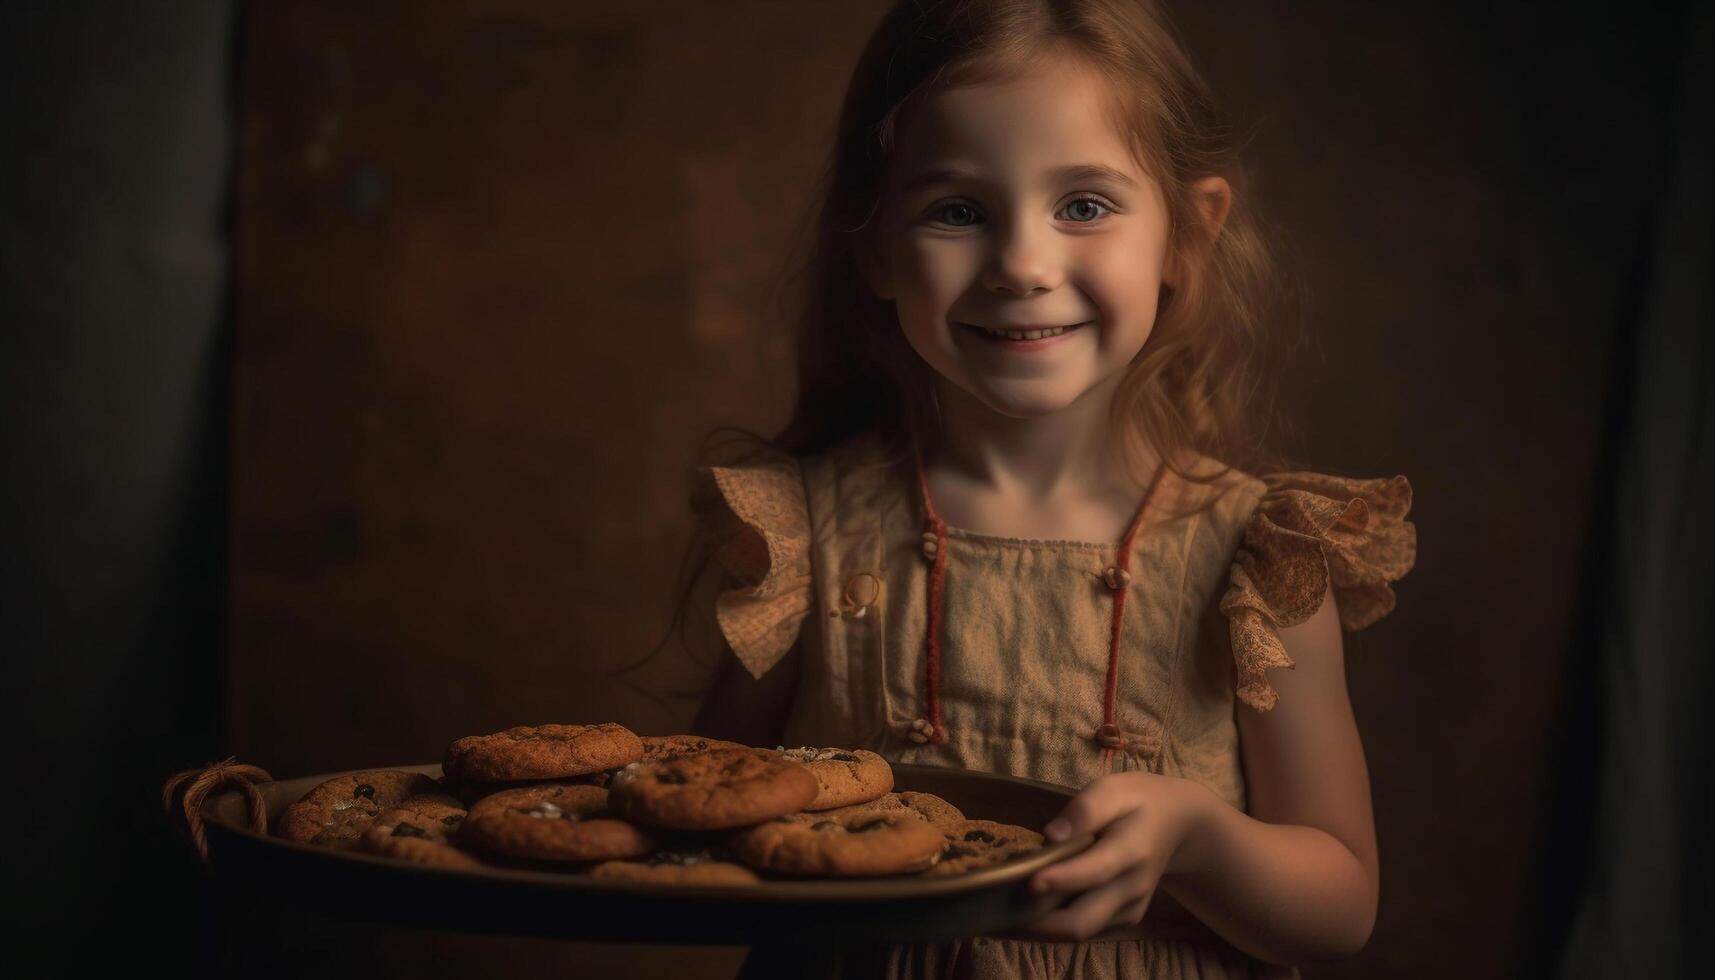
(199, 783)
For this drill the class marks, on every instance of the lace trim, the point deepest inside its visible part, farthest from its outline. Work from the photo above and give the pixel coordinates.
(1311, 532)
(758, 525)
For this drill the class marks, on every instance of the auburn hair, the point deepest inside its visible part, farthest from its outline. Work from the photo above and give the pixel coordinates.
(1189, 389)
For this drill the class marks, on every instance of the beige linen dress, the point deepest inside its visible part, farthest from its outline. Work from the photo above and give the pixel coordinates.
(830, 549)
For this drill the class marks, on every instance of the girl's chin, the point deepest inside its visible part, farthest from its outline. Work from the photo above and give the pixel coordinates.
(1031, 405)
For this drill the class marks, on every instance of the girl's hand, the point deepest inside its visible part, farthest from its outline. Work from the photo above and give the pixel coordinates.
(1144, 825)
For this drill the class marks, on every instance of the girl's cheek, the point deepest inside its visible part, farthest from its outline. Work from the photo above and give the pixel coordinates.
(958, 270)
(939, 277)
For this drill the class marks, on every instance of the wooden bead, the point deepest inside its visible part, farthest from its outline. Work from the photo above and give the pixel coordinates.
(1110, 737)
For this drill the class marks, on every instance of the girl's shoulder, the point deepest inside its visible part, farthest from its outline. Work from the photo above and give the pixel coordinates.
(767, 488)
(1305, 536)
(1349, 514)
(753, 523)
(1208, 488)
(752, 502)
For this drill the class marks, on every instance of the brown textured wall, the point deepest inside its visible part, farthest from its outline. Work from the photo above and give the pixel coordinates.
(499, 269)
(500, 265)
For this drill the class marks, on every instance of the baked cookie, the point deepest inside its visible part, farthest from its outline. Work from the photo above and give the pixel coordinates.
(419, 831)
(338, 811)
(552, 822)
(926, 805)
(660, 746)
(975, 844)
(433, 802)
(470, 791)
(843, 776)
(856, 843)
(679, 866)
(717, 789)
(540, 752)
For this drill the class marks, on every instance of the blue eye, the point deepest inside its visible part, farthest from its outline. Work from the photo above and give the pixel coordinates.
(1091, 210)
(957, 206)
(1092, 202)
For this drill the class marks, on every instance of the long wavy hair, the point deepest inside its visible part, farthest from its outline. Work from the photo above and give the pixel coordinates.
(1188, 392)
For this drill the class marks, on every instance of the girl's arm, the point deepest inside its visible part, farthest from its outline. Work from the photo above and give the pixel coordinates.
(742, 708)
(1294, 881)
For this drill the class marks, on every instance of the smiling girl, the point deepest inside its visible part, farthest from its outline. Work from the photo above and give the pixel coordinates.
(1010, 526)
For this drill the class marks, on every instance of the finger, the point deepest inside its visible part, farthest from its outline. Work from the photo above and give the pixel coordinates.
(1091, 810)
(1098, 805)
(1093, 911)
(1117, 849)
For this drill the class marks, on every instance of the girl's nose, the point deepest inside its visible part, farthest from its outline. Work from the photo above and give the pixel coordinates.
(1023, 261)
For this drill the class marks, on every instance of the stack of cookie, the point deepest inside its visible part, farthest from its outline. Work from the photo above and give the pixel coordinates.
(396, 814)
(674, 809)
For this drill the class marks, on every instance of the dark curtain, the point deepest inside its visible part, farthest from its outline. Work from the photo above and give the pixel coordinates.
(113, 364)
(1628, 858)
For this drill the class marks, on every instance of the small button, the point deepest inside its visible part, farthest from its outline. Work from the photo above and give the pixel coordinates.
(862, 590)
(1116, 578)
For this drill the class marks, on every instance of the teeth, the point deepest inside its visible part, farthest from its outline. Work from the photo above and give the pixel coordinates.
(1025, 334)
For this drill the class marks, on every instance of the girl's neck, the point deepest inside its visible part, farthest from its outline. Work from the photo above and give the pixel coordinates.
(1037, 462)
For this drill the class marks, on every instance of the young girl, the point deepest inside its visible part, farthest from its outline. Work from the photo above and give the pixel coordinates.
(1003, 532)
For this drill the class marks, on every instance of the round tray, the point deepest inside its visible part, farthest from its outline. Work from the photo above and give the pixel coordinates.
(572, 906)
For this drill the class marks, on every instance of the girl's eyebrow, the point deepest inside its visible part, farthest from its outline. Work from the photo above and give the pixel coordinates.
(1059, 175)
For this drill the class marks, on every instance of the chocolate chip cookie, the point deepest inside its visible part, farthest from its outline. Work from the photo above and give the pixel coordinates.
(657, 746)
(853, 844)
(540, 752)
(679, 866)
(336, 813)
(661, 746)
(552, 822)
(717, 789)
(975, 844)
(843, 776)
(926, 805)
(419, 831)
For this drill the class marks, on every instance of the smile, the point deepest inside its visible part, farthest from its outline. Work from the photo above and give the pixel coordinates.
(1024, 338)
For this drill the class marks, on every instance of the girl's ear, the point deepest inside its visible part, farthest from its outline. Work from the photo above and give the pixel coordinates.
(1212, 197)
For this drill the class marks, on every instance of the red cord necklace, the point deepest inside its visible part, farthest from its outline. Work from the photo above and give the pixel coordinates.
(1117, 577)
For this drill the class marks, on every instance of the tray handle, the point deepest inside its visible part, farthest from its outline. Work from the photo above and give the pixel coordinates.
(199, 783)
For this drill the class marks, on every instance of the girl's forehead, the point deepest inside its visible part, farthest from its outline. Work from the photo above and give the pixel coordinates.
(1041, 121)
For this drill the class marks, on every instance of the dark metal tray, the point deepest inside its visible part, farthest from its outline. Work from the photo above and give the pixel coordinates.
(572, 906)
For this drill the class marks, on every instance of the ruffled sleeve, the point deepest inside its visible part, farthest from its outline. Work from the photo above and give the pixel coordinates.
(1311, 531)
(756, 522)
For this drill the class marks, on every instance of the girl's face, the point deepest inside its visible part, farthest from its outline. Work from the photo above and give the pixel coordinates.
(1016, 206)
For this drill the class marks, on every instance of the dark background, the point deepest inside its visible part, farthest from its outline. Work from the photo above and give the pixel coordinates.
(354, 355)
